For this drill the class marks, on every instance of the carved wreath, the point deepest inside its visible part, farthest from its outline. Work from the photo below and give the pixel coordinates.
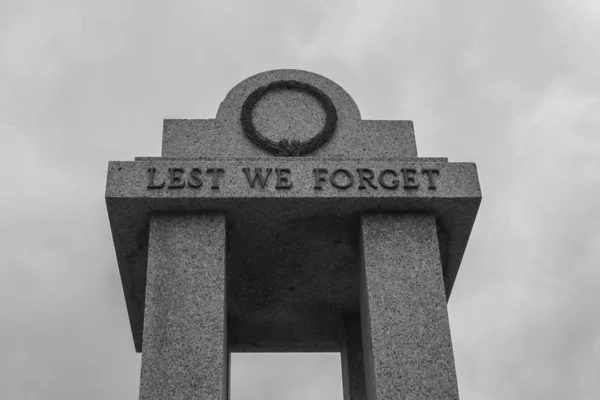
(287, 147)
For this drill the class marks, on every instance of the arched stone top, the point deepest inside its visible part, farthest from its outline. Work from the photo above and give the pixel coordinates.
(288, 114)
(290, 121)
(347, 110)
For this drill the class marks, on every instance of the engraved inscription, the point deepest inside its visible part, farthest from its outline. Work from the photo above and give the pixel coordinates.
(151, 183)
(430, 176)
(390, 183)
(365, 175)
(176, 178)
(408, 174)
(195, 181)
(179, 178)
(283, 178)
(258, 178)
(341, 179)
(367, 179)
(216, 175)
(320, 179)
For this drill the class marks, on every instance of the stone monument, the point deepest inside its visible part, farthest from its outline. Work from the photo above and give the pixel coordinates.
(290, 224)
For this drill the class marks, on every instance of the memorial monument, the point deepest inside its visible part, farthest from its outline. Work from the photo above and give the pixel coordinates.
(290, 224)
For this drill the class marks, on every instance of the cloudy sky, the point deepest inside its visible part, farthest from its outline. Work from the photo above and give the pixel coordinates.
(513, 86)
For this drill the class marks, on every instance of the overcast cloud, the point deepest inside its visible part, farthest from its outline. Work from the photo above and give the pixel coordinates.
(513, 86)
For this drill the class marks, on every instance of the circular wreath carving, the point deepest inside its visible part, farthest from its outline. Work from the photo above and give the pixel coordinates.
(287, 147)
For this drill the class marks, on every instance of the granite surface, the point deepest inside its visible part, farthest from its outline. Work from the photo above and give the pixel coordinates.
(185, 342)
(284, 113)
(353, 368)
(130, 179)
(353, 248)
(290, 114)
(406, 334)
(293, 248)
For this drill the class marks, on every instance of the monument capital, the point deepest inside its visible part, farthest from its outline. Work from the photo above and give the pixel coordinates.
(292, 111)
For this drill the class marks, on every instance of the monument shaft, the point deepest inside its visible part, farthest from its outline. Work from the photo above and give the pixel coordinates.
(185, 337)
(408, 350)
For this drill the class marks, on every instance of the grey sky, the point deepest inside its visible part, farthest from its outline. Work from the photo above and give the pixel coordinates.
(512, 86)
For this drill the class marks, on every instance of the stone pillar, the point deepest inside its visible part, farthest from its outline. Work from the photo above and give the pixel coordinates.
(406, 334)
(353, 370)
(184, 351)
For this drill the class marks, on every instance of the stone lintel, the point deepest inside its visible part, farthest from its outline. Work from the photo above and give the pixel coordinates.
(291, 230)
(231, 178)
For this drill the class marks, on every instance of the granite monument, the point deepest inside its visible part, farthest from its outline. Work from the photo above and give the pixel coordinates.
(290, 224)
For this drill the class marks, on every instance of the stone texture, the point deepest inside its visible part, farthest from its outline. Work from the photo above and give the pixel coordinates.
(185, 343)
(406, 334)
(294, 254)
(284, 113)
(224, 137)
(129, 179)
(364, 270)
(195, 138)
(353, 369)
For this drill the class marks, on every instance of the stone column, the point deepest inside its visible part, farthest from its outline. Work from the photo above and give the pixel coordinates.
(184, 351)
(353, 370)
(406, 335)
